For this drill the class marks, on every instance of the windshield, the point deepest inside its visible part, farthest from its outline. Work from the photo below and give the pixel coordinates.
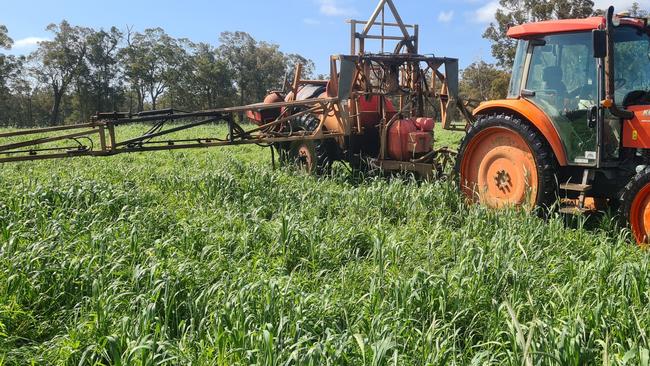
(631, 61)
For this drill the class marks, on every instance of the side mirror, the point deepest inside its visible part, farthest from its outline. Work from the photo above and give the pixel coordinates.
(599, 38)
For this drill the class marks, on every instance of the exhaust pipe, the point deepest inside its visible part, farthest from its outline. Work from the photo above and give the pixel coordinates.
(609, 101)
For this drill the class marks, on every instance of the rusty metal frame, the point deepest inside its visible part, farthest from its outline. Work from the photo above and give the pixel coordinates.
(431, 166)
(407, 39)
(420, 82)
(66, 141)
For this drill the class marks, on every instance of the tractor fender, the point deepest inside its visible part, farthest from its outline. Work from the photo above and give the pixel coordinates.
(531, 113)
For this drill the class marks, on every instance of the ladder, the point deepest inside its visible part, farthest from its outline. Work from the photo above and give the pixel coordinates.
(582, 189)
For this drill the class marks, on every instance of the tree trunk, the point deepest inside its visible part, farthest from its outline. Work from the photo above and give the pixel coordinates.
(241, 98)
(140, 100)
(98, 102)
(56, 107)
(30, 114)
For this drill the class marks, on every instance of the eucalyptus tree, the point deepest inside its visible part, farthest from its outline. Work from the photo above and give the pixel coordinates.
(60, 61)
(5, 41)
(103, 67)
(238, 50)
(150, 60)
(211, 78)
(483, 81)
(292, 60)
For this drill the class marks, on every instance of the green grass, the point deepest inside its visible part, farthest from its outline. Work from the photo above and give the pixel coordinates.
(447, 138)
(210, 257)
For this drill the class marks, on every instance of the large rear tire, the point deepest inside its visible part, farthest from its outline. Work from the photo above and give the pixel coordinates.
(504, 161)
(635, 206)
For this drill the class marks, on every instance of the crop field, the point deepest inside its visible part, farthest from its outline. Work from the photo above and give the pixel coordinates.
(211, 257)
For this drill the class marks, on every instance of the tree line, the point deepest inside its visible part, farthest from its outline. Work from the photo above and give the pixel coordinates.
(81, 71)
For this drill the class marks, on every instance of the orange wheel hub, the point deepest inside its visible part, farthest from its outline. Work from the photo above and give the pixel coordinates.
(498, 169)
(305, 157)
(640, 216)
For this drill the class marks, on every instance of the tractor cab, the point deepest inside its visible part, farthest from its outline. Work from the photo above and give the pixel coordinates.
(557, 69)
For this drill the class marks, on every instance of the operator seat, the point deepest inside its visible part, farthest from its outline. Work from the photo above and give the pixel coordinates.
(553, 79)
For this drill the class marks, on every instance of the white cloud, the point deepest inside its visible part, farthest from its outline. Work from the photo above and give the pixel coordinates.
(485, 14)
(28, 42)
(333, 8)
(446, 16)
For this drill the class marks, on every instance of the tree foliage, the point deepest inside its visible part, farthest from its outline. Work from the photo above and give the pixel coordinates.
(483, 81)
(636, 11)
(206, 80)
(6, 65)
(5, 41)
(81, 71)
(152, 62)
(10, 70)
(61, 60)
(307, 66)
(103, 68)
(256, 65)
(514, 12)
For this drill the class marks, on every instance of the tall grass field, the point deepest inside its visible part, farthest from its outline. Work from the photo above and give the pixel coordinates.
(212, 257)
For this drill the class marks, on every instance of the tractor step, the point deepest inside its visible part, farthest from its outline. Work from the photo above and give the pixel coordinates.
(575, 187)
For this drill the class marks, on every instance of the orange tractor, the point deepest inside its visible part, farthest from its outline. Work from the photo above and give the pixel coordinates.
(575, 124)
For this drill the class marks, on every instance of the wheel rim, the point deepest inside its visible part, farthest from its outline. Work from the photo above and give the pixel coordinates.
(498, 169)
(640, 215)
(305, 158)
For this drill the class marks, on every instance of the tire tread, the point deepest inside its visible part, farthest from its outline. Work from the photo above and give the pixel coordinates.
(545, 160)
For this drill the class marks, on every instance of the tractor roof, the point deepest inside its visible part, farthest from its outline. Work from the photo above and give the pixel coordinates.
(531, 30)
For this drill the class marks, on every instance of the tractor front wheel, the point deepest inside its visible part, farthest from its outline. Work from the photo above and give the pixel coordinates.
(635, 206)
(504, 161)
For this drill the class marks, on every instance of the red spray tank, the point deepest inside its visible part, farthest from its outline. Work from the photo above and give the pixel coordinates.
(369, 111)
(424, 124)
(267, 115)
(410, 138)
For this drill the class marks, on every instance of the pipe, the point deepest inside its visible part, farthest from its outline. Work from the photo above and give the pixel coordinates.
(609, 101)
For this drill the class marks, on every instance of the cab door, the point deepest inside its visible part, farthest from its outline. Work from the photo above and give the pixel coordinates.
(563, 81)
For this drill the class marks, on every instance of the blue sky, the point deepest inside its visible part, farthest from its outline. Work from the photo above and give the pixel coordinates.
(313, 28)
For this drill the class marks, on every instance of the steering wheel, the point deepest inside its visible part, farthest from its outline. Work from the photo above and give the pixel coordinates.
(565, 124)
(583, 92)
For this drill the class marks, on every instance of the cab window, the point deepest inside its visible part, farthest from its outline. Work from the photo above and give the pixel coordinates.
(518, 69)
(563, 76)
(631, 62)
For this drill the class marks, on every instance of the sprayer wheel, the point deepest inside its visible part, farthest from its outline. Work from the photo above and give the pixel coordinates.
(310, 156)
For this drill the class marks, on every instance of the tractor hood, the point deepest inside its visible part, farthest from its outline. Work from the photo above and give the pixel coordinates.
(636, 131)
